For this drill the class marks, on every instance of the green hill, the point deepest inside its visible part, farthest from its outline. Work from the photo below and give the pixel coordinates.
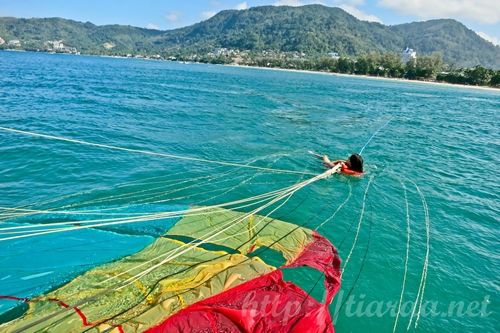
(458, 44)
(312, 29)
(86, 37)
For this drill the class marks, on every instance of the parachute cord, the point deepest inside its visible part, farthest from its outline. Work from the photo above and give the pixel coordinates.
(266, 249)
(171, 252)
(89, 299)
(408, 230)
(60, 198)
(191, 266)
(130, 194)
(128, 184)
(423, 279)
(337, 210)
(373, 135)
(363, 263)
(223, 228)
(359, 226)
(118, 221)
(151, 153)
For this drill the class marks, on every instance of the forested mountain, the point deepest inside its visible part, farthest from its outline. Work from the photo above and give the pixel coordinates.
(86, 37)
(458, 44)
(313, 30)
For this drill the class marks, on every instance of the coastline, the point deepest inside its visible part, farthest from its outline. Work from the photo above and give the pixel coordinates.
(390, 79)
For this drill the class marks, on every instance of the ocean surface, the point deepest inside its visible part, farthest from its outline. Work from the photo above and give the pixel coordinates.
(441, 147)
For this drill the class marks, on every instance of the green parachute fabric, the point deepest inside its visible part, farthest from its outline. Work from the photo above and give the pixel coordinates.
(222, 285)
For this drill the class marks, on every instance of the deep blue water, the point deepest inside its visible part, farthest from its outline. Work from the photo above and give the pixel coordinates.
(444, 139)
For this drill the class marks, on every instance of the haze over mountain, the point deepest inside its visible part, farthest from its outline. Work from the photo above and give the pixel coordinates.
(312, 29)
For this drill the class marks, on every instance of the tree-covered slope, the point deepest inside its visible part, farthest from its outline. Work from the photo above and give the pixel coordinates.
(457, 44)
(312, 29)
(86, 37)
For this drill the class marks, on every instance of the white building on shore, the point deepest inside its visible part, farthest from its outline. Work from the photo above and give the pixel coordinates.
(334, 55)
(2, 41)
(56, 45)
(14, 42)
(408, 55)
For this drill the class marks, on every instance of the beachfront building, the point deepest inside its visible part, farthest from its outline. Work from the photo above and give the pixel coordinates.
(14, 42)
(408, 55)
(108, 45)
(59, 47)
(2, 41)
(334, 55)
(56, 45)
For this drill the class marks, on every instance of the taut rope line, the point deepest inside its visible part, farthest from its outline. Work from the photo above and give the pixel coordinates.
(151, 153)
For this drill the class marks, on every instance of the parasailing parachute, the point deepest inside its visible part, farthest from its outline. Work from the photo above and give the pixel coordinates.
(180, 283)
(205, 271)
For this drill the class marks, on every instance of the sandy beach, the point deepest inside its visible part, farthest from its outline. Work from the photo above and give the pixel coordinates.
(440, 84)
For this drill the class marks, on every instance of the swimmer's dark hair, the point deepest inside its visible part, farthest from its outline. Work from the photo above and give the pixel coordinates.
(355, 162)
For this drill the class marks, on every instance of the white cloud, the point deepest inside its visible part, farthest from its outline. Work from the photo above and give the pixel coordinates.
(294, 3)
(483, 11)
(241, 6)
(359, 14)
(348, 2)
(173, 17)
(349, 6)
(334, 3)
(153, 26)
(494, 40)
(208, 14)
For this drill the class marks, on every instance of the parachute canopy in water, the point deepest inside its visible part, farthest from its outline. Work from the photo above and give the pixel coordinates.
(221, 285)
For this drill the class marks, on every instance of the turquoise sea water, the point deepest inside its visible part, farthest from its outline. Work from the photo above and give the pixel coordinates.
(444, 139)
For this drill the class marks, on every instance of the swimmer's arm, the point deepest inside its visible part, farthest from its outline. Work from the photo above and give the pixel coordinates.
(329, 163)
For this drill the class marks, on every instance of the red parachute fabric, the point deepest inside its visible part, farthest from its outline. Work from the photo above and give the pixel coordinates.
(321, 254)
(267, 303)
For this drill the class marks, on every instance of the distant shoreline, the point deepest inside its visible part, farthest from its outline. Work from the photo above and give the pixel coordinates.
(391, 79)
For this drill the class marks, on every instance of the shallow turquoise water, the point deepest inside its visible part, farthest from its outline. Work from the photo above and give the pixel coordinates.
(444, 139)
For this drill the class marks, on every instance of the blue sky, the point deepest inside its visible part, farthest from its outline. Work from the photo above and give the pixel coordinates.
(482, 16)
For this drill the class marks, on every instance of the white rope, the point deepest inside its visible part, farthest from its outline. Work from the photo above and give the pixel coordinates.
(408, 230)
(116, 221)
(373, 135)
(359, 225)
(142, 201)
(231, 224)
(209, 179)
(141, 218)
(277, 193)
(101, 211)
(60, 198)
(146, 218)
(146, 152)
(246, 230)
(157, 257)
(6, 216)
(87, 202)
(192, 245)
(338, 209)
(423, 279)
(125, 214)
(169, 258)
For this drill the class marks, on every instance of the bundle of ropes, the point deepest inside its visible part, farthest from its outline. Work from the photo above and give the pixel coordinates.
(144, 291)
